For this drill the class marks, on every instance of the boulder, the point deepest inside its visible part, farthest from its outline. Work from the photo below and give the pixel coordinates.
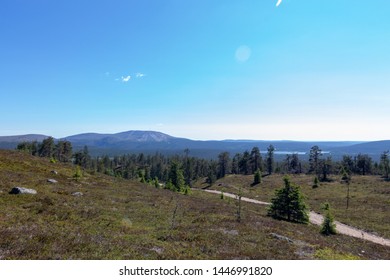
(52, 181)
(20, 190)
(77, 194)
(281, 237)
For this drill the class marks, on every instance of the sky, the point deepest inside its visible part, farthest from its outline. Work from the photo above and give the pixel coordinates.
(200, 69)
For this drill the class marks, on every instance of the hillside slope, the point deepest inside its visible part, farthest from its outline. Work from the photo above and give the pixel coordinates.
(137, 141)
(118, 219)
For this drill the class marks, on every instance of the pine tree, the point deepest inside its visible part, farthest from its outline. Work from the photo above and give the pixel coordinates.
(255, 159)
(314, 160)
(211, 173)
(364, 164)
(46, 148)
(270, 159)
(244, 164)
(223, 164)
(63, 151)
(288, 204)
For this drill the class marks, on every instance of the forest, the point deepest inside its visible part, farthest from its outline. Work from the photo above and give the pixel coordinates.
(178, 172)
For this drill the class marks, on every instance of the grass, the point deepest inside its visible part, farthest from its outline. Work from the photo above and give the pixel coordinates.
(329, 254)
(369, 207)
(119, 219)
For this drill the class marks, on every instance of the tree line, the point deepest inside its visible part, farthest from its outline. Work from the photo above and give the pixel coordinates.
(181, 170)
(61, 151)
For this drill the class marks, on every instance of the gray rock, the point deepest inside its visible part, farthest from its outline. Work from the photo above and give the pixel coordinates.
(77, 194)
(158, 250)
(230, 232)
(52, 181)
(281, 237)
(20, 190)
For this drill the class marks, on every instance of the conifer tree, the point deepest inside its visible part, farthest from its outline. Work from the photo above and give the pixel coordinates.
(288, 204)
(270, 159)
(385, 164)
(328, 226)
(46, 148)
(255, 159)
(316, 182)
(176, 177)
(314, 160)
(257, 177)
(223, 164)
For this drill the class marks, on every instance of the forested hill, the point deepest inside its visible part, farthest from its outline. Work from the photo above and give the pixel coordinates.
(152, 141)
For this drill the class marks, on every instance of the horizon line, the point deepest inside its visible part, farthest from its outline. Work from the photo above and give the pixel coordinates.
(194, 139)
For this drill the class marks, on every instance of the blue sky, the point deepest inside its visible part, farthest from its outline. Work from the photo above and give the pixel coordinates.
(204, 69)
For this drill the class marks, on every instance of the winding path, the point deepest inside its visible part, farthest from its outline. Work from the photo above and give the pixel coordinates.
(317, 219)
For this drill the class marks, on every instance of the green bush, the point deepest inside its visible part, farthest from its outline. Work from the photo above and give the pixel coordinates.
(77, 174)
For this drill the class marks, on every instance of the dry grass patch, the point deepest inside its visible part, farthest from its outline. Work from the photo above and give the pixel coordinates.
(119, 219)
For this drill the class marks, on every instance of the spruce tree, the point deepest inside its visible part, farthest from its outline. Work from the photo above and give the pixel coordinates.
(328, 226)
(257, 177)
(316, 182)
(385, 164)
(176, 177)
(288, 204)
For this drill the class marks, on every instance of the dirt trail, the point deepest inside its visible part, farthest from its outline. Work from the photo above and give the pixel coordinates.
(317, 219)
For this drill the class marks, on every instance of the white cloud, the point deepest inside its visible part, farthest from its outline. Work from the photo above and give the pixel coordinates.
(126, 79)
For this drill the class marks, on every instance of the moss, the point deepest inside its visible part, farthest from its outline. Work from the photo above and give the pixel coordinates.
(329, 254)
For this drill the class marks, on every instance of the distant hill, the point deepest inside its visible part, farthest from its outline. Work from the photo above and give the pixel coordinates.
(136, 141)
(371, 148)
(21, 138)
(10, 142)
(134, 136)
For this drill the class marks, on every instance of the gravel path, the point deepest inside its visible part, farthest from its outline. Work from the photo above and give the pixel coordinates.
(317, 219)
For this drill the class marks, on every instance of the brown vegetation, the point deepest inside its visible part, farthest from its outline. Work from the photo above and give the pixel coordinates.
(122, 219)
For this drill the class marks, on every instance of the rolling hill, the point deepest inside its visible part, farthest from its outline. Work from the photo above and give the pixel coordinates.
(153, 141)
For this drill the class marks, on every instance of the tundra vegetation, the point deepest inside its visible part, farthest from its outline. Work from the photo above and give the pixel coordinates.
(134, 207)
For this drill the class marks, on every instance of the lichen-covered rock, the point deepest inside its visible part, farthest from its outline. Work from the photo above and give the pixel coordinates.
(281, 237)
(20, 190)
(52, 181)
(77, 194)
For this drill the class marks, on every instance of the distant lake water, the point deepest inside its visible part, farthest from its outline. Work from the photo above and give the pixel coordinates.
(290, 152)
